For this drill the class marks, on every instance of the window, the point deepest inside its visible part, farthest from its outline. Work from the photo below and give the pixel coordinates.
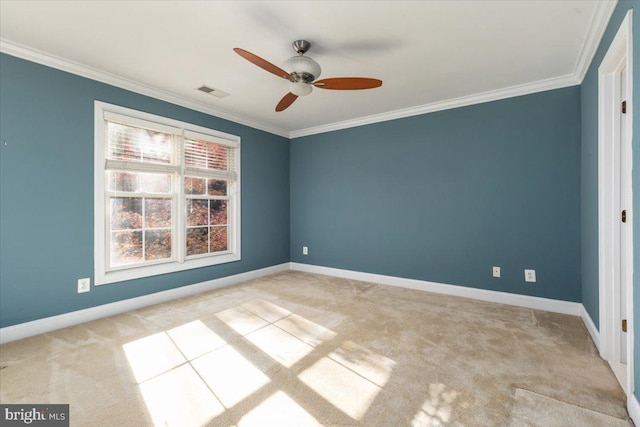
(167, 195)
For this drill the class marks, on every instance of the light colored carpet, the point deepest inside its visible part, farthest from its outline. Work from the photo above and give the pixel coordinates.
(533, 409)
(301, 349)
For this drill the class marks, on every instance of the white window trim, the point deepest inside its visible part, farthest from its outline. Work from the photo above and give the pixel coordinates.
(101, 275)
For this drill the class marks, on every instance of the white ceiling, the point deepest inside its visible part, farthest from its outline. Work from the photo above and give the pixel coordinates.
(429, 54)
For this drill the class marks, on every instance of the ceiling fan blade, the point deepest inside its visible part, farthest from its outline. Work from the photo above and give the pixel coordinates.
(263, 63)
(347, 83)
(286, 101)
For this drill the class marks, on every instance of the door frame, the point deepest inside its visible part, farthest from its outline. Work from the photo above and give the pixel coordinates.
(609, 171)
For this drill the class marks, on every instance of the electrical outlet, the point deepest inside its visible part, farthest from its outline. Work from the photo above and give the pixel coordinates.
(305, 250)
(84, 285)
(496, 271)
(529, 275)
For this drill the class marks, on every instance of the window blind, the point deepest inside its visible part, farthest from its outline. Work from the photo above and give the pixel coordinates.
(209, 159)
(140, 167)
(197, 136)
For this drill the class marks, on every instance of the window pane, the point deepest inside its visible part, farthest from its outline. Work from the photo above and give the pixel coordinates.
(122, 181)
(154, 183)
(157, 213)
(217, 187)
(218, 212)
(138, 182)
(197, 241)
(156, 146)
(126, 213)
(194, 185)
(197, 212)
(157, 244)
(218, 239)
(126, 247)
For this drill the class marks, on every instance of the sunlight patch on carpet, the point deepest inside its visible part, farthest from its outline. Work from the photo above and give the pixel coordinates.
(267, 310)
(179, 398)
(436, 410)
(173, 392)
(364, 362)
(349, 378)
(281, 346)
(189, 375)
(229, 375)
(152, 355)
(241, 320)
(278, 410)
(305, 330)
(195, 339)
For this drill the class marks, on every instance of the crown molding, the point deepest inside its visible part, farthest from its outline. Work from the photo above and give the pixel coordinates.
(493, 95)
(43, 58)
(597, 27)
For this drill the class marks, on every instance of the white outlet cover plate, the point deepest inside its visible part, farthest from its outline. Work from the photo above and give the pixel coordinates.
(496, 271)
(84, 285)
(529, 275)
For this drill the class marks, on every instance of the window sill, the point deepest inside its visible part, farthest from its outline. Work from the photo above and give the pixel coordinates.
(103, 278)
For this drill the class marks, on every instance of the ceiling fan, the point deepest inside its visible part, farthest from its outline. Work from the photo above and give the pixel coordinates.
(304, 73)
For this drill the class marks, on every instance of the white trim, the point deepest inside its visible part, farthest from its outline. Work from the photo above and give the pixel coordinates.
(633, 407)
(599, 21)
(619, 52)
(44, 58)
(41, 326)
(536, 303)
(629, 167)
(597, 27)
(479, 98)
(103, 275)
(591, 327)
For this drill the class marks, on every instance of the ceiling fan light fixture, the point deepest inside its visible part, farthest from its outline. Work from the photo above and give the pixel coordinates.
(300, 88)
(303, 68)
(302, 72)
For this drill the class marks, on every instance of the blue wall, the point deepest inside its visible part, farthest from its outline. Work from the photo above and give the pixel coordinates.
(46, 189)
(445, 196)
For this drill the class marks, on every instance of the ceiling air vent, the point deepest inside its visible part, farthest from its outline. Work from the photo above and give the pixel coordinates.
(212, 91)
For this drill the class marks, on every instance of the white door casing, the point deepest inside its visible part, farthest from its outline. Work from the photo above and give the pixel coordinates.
(615, 194)
(626, 281)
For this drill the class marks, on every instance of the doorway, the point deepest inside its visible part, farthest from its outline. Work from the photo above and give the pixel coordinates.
(615, 210)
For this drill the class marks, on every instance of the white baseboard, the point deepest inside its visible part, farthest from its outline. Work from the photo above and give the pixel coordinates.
(633, 407)
(537, 303)
(41, 326)
(591, 327)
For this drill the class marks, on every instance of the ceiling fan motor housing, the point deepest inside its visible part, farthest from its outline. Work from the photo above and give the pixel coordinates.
(301, 46)
(302, 68)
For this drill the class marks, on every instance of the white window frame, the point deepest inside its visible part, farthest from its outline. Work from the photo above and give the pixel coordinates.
(179, 262)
